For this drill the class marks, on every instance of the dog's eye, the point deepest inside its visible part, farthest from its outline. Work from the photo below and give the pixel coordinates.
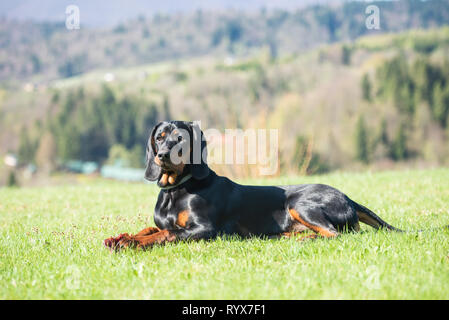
(161, 136)
(179, 138)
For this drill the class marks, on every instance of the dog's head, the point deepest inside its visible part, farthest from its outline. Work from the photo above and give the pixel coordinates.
(174, 150)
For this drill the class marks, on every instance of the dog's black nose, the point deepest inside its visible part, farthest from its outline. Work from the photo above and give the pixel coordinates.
(163, 156)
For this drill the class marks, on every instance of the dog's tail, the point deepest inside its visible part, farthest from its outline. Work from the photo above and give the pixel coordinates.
(370, 218)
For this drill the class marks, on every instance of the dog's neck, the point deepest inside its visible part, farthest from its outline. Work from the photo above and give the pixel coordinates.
(184, 179)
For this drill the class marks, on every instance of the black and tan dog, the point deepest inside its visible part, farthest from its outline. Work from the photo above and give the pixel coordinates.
(195, 203)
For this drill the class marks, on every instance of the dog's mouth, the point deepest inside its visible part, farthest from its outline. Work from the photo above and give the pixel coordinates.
(170, 174)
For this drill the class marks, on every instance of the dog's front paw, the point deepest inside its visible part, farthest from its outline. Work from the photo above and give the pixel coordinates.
(115, 243)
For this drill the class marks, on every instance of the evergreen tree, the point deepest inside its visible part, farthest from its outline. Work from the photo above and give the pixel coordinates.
(404, 99)
(383, 136)
(399, 145)
(366, 88)
(26, 148)
(440, 107)
(361, 135)
(12, 181)
(166, 108)
(346, 55)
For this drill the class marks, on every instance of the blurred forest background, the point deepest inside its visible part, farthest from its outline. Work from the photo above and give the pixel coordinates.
(343, 96)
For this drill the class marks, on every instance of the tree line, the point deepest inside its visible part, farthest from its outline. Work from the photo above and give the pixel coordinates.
(407, 86)
(84, 127)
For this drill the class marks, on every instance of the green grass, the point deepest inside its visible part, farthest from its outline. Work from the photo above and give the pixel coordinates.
(51, 247)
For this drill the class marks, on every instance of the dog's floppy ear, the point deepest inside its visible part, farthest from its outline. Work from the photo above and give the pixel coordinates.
(152, 171)
(198, 155)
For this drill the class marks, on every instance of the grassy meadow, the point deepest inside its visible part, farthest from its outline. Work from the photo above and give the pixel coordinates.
(51, 246)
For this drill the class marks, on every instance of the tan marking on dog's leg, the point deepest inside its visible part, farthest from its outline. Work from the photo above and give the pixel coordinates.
(310, 236)
(322, 231)
(160, 237)
(183, 217)
(290, 234)
(147, 231)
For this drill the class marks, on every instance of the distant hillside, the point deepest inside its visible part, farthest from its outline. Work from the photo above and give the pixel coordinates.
(114, 11)
(380, 100)
(40, 52)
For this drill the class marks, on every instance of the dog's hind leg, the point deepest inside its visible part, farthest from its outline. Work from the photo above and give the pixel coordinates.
(316, 221)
